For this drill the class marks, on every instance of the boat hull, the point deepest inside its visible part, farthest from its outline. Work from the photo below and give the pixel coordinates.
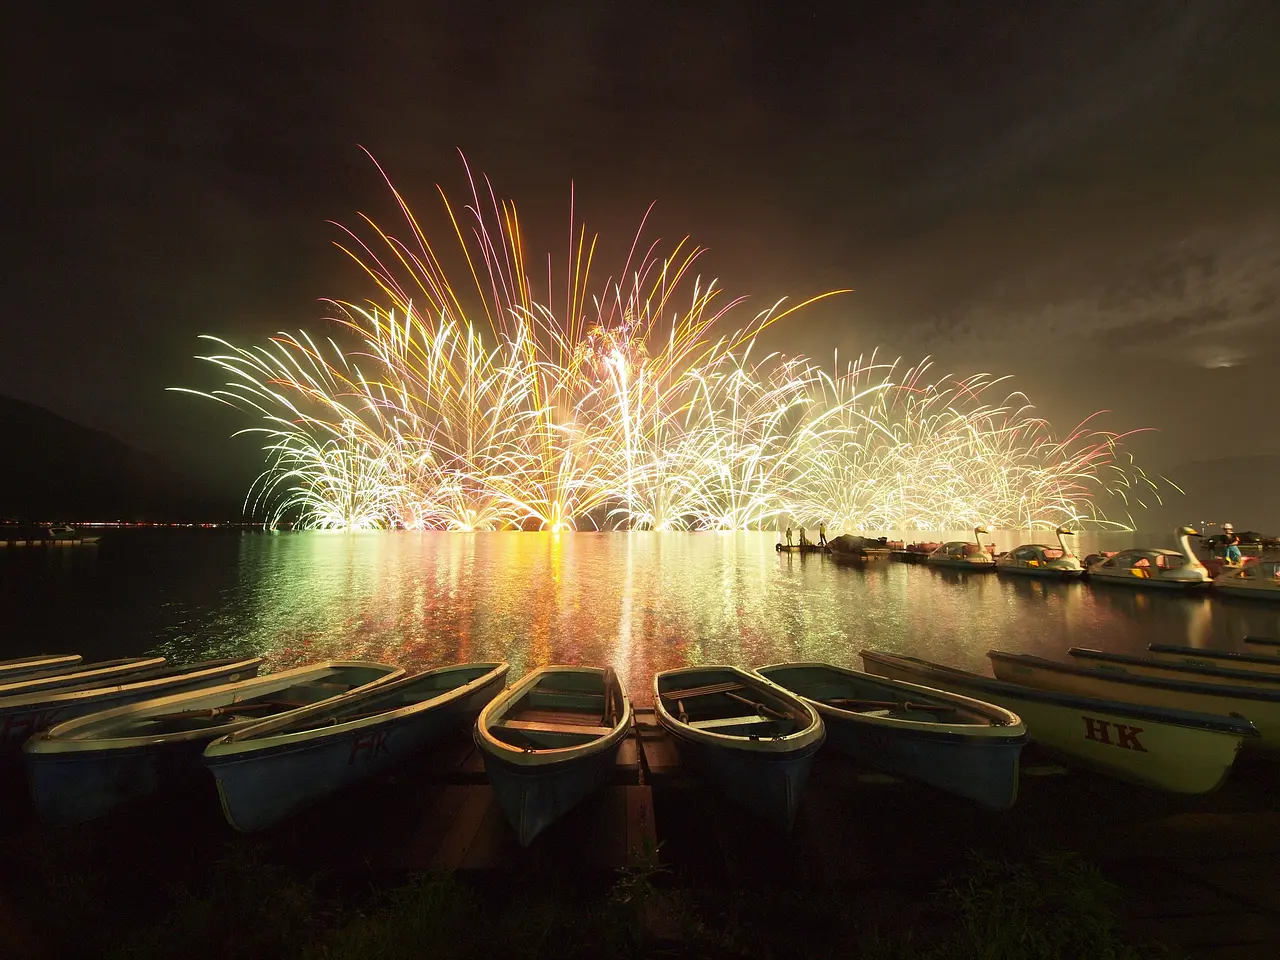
(969, 565)
(1047, 573)
(1260, 707)
(1173, 653)
(1106, 736)
(767, 784)
(533, 797)
(1185, 670)
(1148, 583)
(260, 788)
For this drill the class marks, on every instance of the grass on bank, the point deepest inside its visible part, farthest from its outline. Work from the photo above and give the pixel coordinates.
(241, 907)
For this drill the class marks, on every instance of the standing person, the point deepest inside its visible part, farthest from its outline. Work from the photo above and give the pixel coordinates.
(822, 534)
(788, 534)
(1230, 549)
(802, 540)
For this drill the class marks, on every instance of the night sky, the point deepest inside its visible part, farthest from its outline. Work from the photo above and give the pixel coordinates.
(1085, 194)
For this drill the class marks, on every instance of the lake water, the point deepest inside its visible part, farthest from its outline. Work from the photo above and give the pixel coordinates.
(641, 602)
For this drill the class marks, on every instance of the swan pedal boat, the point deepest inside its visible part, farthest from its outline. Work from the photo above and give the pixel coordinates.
(40, 664)
(83, 768)
(1259, 580)
(1243, 659)
(955, 743)
(1042, 560)
(1155, 567)
(1200, 672)
(24, 715)
(1261, 706)
(755, 740)
(549, 741)
(1177, 751)
(963, 554)
(269, 769)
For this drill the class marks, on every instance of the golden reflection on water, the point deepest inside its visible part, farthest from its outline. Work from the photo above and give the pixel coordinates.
(645, 601)
(640, 601)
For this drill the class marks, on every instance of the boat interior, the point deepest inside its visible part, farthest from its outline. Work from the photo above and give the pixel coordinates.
(407, 692)
(270, 700)
(721, 702)
(562, 710)
(871, 696)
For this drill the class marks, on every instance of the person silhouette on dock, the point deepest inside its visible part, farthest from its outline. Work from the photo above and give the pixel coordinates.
(802, 539)
(822, 534)
(789, 535)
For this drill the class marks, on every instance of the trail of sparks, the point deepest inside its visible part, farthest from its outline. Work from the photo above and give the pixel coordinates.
(624, 407)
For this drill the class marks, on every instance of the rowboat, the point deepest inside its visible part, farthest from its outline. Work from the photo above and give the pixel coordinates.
(1258, 580)
(964, 555)
(82, 768)
(1176, 670)
(1263, 641)
(40, 663)
(24, 715)
(1261, 706)
(1177, 653)
(550, 740)
(1170, 569)
(1174, 750)
(951, 742)
(754, 739)
(857, 549)
(267, 770)
(799, 548)
(1042, 560)
(80, 675)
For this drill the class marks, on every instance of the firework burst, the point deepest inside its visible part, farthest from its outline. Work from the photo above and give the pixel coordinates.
(623, 404)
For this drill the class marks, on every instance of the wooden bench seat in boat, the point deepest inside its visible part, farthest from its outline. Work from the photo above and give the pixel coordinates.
(541, 726)
(729, 722)
(702, 691)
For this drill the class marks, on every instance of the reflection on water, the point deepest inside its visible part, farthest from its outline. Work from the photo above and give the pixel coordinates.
(639, 601)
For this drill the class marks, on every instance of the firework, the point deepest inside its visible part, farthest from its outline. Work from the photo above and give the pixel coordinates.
(501, 404)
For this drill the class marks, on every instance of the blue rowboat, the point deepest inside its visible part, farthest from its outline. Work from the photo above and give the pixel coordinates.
(39, 664)
(268, 770)
(748, 735)
(550, 741)
(85, 767)
(955, 743)
(1175, 750)
(29, 709)
(81, 676)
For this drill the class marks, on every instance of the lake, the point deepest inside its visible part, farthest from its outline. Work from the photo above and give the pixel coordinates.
(641, 602)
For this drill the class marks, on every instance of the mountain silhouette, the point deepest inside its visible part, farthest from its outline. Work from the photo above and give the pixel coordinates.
(57, 470)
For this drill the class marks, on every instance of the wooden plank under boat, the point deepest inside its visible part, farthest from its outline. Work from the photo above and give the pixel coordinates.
(952, 742)
(1174, 750)
(83, 768)
(25, 714)
(1246, 659)
(1172, 670)
(748, 735)
(1256, 704)
(550, 740)
(269, 769)
(40, 663)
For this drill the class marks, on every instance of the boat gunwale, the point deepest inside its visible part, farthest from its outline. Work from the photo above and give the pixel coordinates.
(1237, 726)
(1181, 686)
(54, 742)
(54, 697)
(1196, 670)
(52, 660)
(258, 739)
(102, 670)
(1241, 656)
(1013, 730)
(805, 739)
(530, 762)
